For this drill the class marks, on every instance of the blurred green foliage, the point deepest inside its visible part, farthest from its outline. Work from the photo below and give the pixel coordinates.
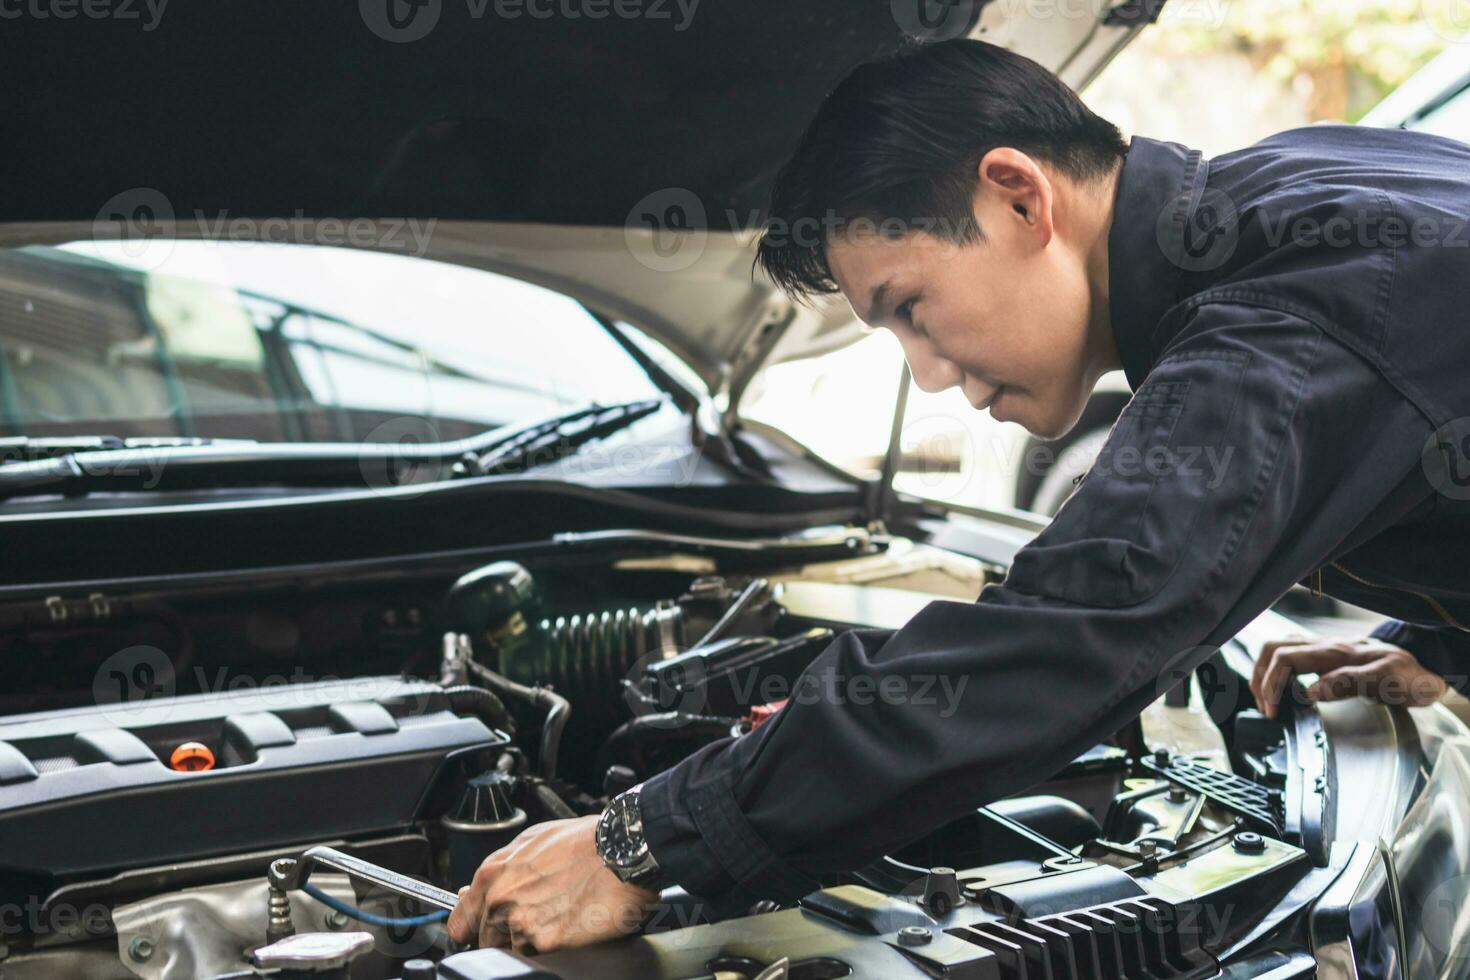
(1340, 56)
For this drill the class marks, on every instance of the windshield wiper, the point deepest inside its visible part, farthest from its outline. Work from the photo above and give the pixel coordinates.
(545, 442)
(98, 464)
(23, 448)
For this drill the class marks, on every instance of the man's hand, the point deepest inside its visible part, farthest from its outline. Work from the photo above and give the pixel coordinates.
(548, 890)
(1362, 667)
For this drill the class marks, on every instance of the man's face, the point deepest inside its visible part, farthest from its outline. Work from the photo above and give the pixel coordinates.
(1006, 320)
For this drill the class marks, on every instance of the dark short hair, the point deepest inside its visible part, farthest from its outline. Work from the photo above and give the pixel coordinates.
(898, 144)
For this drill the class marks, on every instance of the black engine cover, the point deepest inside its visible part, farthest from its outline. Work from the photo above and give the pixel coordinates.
(88, 791)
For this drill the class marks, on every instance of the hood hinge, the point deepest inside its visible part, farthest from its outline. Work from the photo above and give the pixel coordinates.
(763, 336)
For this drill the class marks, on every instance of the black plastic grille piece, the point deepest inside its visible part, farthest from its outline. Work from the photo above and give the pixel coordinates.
(1253, 801)
(1138, 939)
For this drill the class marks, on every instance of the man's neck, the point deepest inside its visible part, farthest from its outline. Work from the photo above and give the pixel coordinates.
(1095, 211)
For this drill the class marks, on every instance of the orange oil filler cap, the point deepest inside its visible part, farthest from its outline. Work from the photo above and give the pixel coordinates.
(192, 757)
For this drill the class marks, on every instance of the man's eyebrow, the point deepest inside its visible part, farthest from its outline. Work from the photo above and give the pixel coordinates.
(877, 302)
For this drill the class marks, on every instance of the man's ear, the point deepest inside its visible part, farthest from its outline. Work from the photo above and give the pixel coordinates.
(1021, 189)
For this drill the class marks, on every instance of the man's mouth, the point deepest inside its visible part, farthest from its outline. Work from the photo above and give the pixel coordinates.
(997, 405)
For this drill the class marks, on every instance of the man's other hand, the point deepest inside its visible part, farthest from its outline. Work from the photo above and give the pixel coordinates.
(548, 890)
(1361, 667)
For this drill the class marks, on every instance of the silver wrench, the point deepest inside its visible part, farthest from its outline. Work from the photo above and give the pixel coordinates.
(289, 874)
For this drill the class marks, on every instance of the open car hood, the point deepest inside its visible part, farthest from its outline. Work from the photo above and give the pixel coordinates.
(539, 144)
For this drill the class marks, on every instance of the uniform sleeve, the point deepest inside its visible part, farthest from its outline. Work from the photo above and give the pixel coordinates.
(1235, 467)
(1443, 649)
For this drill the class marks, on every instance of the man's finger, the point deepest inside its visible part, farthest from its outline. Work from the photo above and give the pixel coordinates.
(464, 918)
(1263, 662)
(1347, 682)
(1275, 674)
(495, 927)
(1285, 664)
(519, 931)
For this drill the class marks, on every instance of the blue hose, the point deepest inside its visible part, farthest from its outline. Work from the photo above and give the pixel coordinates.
(353, 912)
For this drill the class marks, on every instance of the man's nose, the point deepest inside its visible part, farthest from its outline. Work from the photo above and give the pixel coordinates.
(932, 372)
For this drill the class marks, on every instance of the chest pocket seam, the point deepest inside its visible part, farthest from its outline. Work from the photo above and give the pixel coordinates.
(1163, 408)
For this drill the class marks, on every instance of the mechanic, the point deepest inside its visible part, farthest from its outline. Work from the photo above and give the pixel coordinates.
(1300, 304)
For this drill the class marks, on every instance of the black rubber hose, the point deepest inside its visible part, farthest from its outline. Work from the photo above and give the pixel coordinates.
(671, 725)
(467, 699)
(552, 801)
(558, 709)
(666, 726)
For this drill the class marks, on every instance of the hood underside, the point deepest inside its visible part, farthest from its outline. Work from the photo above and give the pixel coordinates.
(492, 116)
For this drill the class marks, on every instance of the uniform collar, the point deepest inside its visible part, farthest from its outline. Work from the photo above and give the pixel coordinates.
(1158, 190)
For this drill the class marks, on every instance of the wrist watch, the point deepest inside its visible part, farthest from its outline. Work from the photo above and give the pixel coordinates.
(622, 846)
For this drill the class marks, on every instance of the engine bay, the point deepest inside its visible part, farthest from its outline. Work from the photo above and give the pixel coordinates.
(287, 778)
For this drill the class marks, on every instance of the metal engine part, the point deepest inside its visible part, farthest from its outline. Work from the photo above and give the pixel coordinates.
(204, 932)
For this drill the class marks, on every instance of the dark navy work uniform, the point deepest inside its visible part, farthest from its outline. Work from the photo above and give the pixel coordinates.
(1300, 310)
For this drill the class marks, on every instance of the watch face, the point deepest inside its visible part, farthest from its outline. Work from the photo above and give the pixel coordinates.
(622, 841)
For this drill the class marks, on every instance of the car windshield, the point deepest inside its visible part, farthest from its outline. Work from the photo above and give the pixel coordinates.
(288, 343)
